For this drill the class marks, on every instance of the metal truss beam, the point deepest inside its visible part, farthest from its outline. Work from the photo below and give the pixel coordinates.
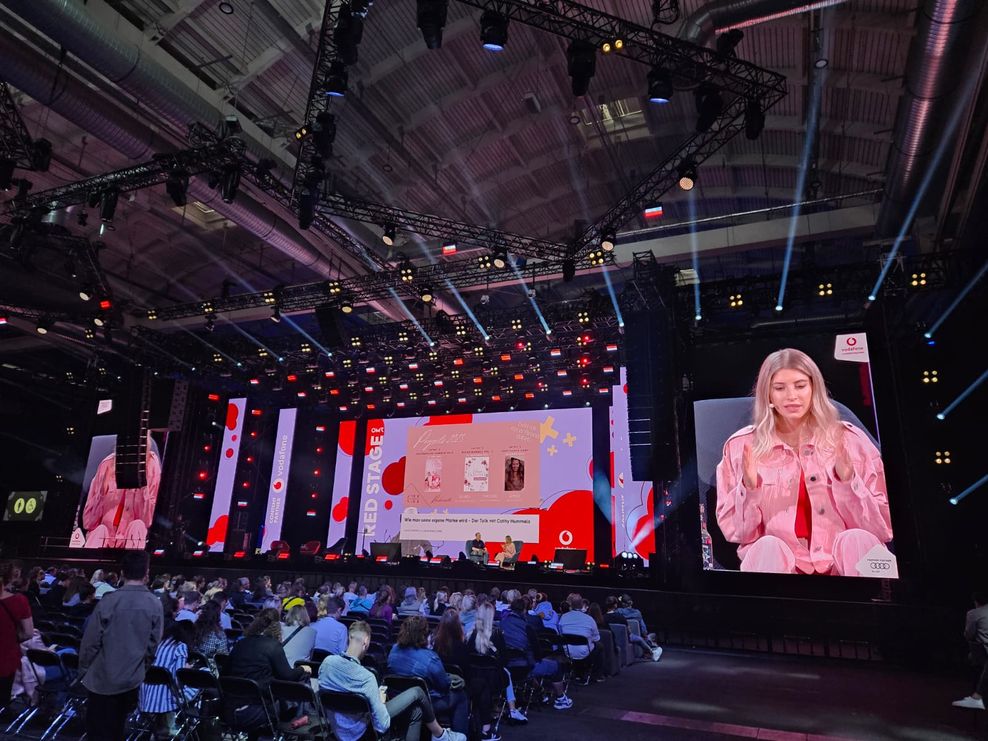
(15, 141)
(307, 296)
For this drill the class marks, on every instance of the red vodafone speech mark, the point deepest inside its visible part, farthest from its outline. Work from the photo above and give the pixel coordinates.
(851, 341)
(229, 452)
(393, 478)
(388, 504)
(277, 485)
(232, 415)
(340, 510)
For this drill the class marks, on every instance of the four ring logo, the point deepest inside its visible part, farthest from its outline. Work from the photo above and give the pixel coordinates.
(880, 566)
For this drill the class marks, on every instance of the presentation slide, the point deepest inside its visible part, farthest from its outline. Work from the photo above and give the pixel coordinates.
(791, 475)
(341, 481)
(111, 517)
(432, 483)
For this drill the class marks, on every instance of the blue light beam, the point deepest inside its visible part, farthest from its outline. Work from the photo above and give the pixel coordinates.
(928, 334)
(977, 484)
(964, 394)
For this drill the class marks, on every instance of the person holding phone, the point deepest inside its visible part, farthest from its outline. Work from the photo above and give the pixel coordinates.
(412, 708)
(799, 490)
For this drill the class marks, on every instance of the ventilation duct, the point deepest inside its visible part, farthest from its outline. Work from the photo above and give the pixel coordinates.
(722, 15)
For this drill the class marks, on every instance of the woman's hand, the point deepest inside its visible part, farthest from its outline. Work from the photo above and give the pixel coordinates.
(749, 468)
(842, 460)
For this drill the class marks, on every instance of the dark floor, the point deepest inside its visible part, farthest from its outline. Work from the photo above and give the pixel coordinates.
(694, 694)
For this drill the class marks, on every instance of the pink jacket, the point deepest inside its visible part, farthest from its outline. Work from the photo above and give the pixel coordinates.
(744, 515)
(104, 500)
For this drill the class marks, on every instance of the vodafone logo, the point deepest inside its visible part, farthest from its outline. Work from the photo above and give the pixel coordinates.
(852, 347)
(278, 483)
(851, 341)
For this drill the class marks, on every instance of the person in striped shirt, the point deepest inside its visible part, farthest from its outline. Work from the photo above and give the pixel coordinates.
(172, 654)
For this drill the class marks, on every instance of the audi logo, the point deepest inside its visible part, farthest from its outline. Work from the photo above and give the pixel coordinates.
(880, 566)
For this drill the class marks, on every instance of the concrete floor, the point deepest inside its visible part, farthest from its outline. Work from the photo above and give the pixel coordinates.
(693, 694)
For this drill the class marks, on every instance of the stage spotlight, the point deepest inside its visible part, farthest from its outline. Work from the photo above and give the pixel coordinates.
(825, 289)
(918, 280)
(301, 132)
(493, 30)
(485, 262)
(709, 105)
(931, 376)
(735, 301)
(659, 85)
(346, 306)
(583, 316)
(324, 134)
(388, 237)
(581, 63)
(7, 173)
(43, 325)
(426, 295)
(336, 80)
(430, 17)
(108, 204)
(607, 241)
(687, 175)
(596, 258)
(500, 259)
(348, 33)
(754, 119)
(406, 271)
(275, 315)
(727, 42)
(226, 9)
(569, 269)
(85, 293)
(942, 457)
(177, 186)
(230, 183)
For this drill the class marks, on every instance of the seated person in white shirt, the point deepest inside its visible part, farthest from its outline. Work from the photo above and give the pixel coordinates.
(188, 605)
(410, 709)
(331, 634)
(574, 621)
(297, 636)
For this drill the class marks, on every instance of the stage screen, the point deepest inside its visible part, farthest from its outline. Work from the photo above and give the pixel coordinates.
(341, 483)
(632, 502)
(108, 517)
(432, 482)
(780, 497)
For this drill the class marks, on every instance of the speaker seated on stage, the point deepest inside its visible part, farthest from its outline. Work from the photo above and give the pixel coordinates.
(510, 550)
(476, 549)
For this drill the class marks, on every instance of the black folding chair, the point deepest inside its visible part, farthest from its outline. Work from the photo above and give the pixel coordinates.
(349, 703)
(577, 666)
(143, 723)
(203, 708)
(222, 661)
(318, 654)
(47, 696)
(302, 695)
(484, 673)
(528, 689)
(245, 707)
(233, 634)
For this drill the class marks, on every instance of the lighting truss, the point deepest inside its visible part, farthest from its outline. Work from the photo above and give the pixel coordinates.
(197, 160)
(15, 141)
(307, 296)
(318, 102)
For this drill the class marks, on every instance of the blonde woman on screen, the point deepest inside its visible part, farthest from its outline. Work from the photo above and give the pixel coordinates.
(799, 490)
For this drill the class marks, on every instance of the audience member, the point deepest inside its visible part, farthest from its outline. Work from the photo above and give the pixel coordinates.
(108, 583)
(349, 596)
(544, 611)
(441, 602)
(976, 634)
(411, 708)
(627, 609)
(189, 606)
(172, 654)
(119, 642)
(577, 622)
(331, 634)
(613, 616)
(362, 604)
(240, 592)
(411, 658)
(468, 613)
(298, 636)
(209, 638)
(520, 637)
(450, 641)
(16, 625)
(411, 604)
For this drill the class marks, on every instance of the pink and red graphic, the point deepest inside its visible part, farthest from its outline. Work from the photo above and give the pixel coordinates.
(632, 502)
(341, 482)
(219, 515)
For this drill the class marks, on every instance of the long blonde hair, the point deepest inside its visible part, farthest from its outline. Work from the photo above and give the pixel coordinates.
(824, 420)
(483, 628)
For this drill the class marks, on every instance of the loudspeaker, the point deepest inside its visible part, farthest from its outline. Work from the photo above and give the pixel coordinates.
(331, 326)
(133, 409)
(650, 351)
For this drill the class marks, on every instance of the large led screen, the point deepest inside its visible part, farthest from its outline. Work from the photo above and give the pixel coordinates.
(431, 483)
(789, 460)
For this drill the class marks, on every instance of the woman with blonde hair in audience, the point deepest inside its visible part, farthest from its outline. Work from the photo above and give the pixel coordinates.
(297, 635)
(485, 641)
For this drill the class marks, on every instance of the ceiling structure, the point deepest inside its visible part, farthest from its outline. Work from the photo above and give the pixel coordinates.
(491, 139)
